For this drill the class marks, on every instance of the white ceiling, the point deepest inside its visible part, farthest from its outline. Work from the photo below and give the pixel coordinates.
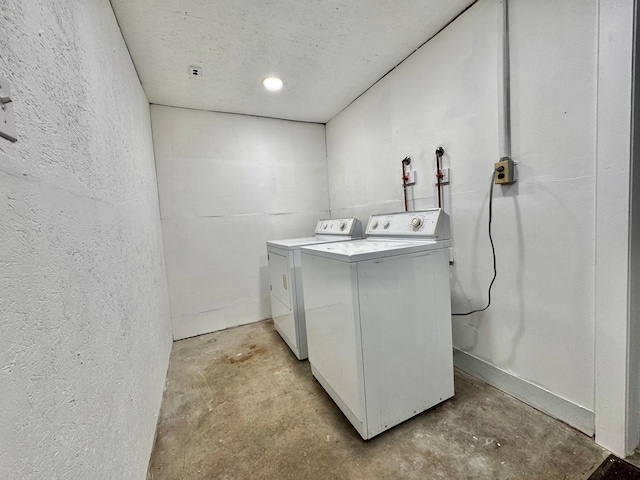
(327, 51)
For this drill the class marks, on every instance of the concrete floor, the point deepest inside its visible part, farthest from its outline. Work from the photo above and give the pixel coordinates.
(238, 405)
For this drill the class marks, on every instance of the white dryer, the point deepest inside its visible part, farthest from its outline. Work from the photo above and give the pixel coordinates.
(378, 315)
(287, 301)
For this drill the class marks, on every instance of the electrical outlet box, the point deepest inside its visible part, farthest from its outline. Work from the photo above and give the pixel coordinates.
(505, 172)
(411, 177)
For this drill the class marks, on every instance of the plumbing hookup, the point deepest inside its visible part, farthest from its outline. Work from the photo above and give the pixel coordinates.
(439, 175)
(406, 161)
(408, 176)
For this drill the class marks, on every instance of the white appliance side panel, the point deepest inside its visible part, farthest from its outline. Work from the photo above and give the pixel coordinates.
(281, 299)
(298, 305)
(333, 329)
(407, 348)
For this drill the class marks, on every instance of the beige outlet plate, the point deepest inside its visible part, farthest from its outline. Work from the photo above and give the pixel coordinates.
(504, 172)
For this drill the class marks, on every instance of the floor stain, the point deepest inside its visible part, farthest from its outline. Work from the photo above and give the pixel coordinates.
(247, 356)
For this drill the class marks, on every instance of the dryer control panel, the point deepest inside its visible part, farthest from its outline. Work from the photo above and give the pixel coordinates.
(433, 223)
(339, 226)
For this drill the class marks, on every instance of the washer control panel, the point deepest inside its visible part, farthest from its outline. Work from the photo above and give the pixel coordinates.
(339, 226)
(433, 223)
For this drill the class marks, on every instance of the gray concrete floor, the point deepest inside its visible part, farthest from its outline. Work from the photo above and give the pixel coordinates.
(239, 405)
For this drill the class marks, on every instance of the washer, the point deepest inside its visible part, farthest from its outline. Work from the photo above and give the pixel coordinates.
(378, 315)
(287, 302)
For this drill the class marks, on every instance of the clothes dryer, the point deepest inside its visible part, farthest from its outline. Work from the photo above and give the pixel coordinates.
(287, 300)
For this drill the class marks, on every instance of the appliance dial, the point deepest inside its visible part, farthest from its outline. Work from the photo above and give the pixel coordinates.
(416, 222)
(342, 225)
(386, 224)
(374, 225)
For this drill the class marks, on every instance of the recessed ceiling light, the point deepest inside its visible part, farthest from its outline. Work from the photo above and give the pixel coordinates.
(273, 84)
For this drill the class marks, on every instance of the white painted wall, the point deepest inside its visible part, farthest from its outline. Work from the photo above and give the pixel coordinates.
(227, 184)
(615, 375)
(84, 319)
(540, 327)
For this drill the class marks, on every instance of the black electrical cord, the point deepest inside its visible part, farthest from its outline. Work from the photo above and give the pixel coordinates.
(493, 250)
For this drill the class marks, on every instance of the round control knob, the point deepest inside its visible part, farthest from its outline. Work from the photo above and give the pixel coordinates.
(342, 225)
(416, 222)
(374, 225)
(386, 224)
(324, 226)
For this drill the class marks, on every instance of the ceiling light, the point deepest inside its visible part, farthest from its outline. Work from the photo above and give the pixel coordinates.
(273, 84)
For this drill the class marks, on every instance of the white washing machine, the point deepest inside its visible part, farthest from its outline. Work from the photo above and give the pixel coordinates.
(378, 315)
(287, 301)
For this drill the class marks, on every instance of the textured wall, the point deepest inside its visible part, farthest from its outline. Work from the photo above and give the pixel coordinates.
(84, 319)
(227, 184)
(540, 326)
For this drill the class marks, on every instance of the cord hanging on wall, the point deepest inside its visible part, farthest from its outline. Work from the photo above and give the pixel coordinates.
(493, 251)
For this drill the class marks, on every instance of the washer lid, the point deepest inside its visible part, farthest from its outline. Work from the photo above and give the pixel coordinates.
(330, 230)
(372, 248)
(296, 243)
